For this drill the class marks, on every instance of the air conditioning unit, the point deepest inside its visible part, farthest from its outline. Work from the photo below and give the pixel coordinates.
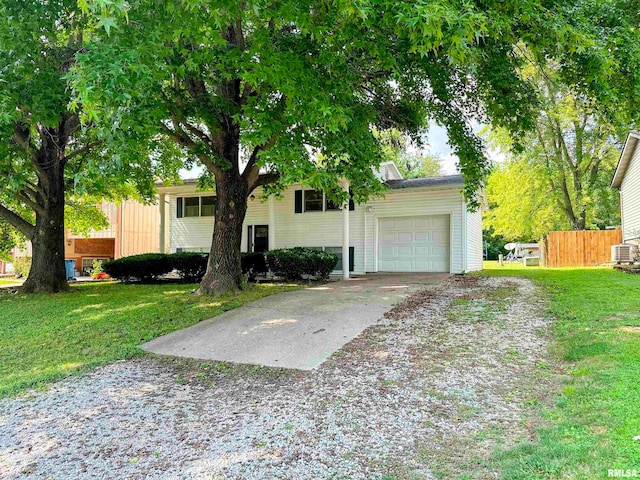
(622, 253)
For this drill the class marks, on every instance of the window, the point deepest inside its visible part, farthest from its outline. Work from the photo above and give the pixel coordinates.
(313, 200)
(316, 201)
(196, 206)
(331, 205)
(87, 264)
(208, 206)
(192, 207)
(337, 251)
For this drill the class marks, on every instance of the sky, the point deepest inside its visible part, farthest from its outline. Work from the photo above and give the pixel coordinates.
(438, 144)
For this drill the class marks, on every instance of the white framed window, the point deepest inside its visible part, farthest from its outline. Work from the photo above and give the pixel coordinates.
(203, 206)
(316, 201)
(192, 207)
(313, 201)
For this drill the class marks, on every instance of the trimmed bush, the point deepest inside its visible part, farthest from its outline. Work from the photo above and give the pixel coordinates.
(139, 268)
(191, 266)
(253, 264)
(301, 263)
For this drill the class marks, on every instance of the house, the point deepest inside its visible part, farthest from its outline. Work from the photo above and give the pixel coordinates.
(134, 228)
(421, 225)
(627, 180)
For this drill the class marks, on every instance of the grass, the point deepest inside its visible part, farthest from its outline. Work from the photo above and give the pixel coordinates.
(47, 337)
(596, 330)
(4, 281)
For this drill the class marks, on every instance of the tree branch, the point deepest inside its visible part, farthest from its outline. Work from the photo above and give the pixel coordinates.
(265, 179)
(22, 138)
(201, 135)
(24, 197)
(181, 138)
(17, 221)
(69, 126)
(82, 150)
(256, 150)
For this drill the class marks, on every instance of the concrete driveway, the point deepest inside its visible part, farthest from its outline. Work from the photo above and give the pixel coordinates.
(298, 329)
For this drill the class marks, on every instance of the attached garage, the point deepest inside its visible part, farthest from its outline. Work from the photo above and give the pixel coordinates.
(414, 244)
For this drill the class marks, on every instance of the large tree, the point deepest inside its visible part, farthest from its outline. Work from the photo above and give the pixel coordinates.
(562, 169)
(46, 154)
(39, 135)
(264, 93)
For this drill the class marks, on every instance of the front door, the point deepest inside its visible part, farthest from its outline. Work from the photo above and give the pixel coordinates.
(258, 238)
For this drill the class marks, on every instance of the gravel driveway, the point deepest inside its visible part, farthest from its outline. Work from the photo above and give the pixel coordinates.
(428, 391)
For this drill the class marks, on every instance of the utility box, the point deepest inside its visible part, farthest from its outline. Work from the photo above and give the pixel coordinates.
(531, 261)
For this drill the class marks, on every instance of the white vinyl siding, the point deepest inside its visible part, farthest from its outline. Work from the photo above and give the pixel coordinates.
(317, 229)
(324, 229)
(257, 214)
(188, 232)
(630, 199)
(196, 233)
(414, 244)
(474, 240)
(417, 202)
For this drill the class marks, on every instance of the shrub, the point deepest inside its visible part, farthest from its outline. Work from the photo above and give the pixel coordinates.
(298, 263)
(253, 264)
(138, 268)
(21, 266)
(191, 266)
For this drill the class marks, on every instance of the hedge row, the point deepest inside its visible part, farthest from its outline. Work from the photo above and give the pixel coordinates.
(301, 263)
(149, 267)
(289, 264)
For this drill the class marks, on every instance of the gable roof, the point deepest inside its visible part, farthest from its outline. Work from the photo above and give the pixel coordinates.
(625, 158)
(446, 180)
(426, 182)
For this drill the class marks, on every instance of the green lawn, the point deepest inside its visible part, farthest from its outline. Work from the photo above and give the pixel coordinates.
(6, 281)
(46, 337)
(597, 342)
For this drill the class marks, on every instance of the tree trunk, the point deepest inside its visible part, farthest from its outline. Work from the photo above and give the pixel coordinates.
(47, 273)
(224, 273)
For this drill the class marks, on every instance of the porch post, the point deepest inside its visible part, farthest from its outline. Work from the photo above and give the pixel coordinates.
(272, 223)
(345, 234)
(163, 222)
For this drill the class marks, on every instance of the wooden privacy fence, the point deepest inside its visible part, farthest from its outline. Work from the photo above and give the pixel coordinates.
(584, 248)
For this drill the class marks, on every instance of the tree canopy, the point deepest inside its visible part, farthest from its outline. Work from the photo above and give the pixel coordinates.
(317, 75)
(410, 160)
(560, 179)
(259, 91)
(49, 159)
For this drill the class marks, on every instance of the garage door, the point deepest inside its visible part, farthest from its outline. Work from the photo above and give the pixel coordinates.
(413, 244)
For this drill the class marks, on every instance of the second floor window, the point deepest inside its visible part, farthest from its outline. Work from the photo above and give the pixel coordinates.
(196, 206)
(316, 201)
(313, 200)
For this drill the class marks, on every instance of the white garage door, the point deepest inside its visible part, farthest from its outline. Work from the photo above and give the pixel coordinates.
(413, 244)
